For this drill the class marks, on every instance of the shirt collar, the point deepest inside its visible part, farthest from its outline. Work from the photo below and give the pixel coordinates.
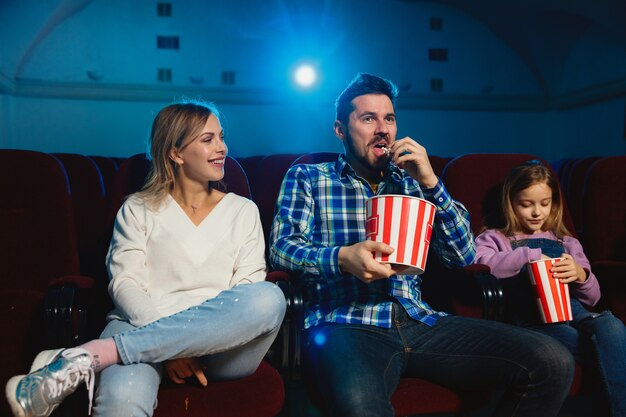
(343, 167)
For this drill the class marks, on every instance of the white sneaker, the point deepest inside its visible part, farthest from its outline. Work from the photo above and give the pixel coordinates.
(45, 357)
(40, 392)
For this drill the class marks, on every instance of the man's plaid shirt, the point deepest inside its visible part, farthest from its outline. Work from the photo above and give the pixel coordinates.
(322, 207)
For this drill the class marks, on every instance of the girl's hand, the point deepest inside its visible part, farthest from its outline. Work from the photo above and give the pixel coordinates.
(567, 270)
(179, 369)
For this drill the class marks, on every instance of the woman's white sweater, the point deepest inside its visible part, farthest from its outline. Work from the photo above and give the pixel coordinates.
(161, 263)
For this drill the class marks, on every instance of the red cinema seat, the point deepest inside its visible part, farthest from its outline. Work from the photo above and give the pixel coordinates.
(270, 172)
(604, 218)
(37, 248)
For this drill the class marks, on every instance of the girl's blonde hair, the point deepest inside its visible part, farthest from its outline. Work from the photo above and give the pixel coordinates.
(518, 179)
(175, 127)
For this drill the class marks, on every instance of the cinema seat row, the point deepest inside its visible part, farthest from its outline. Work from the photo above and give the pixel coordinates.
(57, 213)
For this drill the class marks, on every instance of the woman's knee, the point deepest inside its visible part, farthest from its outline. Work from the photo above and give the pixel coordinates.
(267, 303)
(129, 390)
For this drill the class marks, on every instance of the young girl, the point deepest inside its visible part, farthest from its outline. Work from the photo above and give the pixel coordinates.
(533, 230)
(187, 268)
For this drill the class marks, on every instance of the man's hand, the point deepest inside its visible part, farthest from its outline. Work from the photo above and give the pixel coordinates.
(411, 157)
(358, 260)
(179, 369)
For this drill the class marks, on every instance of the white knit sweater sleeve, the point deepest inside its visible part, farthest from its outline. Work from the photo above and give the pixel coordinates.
(250, 263)
(126, 261)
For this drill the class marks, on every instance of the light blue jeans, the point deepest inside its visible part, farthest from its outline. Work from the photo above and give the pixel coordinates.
(231, 333)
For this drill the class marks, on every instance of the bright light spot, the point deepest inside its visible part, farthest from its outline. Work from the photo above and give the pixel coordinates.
(319, 339)
(305, 75)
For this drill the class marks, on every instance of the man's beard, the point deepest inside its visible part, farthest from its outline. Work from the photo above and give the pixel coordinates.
(364, 163)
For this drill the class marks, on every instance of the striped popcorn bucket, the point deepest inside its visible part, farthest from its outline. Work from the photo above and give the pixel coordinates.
(552, 295)
(405, 224)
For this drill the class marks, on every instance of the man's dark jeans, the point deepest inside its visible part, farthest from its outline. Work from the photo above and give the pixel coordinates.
(357, 367)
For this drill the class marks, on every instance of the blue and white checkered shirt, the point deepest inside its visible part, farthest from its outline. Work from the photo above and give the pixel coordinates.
(322, 207)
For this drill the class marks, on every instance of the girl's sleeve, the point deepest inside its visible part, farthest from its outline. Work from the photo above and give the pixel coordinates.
(494, 250)
(587, 292)
(126, 262)
(250, 263)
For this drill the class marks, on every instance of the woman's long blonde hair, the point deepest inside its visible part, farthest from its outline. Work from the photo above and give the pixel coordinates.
(175, 127)
(518, 179)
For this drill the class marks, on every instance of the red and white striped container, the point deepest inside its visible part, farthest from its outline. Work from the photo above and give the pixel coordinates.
(552, 295)
(404, 223)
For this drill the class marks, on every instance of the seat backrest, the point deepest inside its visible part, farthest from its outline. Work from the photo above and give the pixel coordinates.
(38, 239)
(130, 177)
(438, 163)
(266, 185)
(574, 190)
(88, 196)
(604, 210)
(316, 158)
(90, 212)
(476, 181)
(557, 166)
(562, 167)
(108, 168)
(235, 178)
(250, 166)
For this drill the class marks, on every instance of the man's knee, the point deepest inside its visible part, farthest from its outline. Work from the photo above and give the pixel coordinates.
(552, 361)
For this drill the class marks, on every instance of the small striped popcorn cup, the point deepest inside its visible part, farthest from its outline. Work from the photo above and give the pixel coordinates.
(552, 295)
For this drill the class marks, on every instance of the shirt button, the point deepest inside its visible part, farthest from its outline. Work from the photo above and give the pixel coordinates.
(441, 199)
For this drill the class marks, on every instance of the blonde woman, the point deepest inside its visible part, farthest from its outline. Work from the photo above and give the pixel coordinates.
(187, 269)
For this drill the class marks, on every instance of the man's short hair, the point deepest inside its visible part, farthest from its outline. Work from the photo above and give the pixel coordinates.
(363, 84)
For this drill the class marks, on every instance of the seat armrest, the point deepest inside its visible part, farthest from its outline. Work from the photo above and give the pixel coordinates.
(284, 354)
(492, 292)
(478, 292)
(78, 281)
(66, 311)
(469, 291)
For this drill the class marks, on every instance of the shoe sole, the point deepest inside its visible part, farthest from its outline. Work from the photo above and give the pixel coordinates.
(10, 391)
(44, 358)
